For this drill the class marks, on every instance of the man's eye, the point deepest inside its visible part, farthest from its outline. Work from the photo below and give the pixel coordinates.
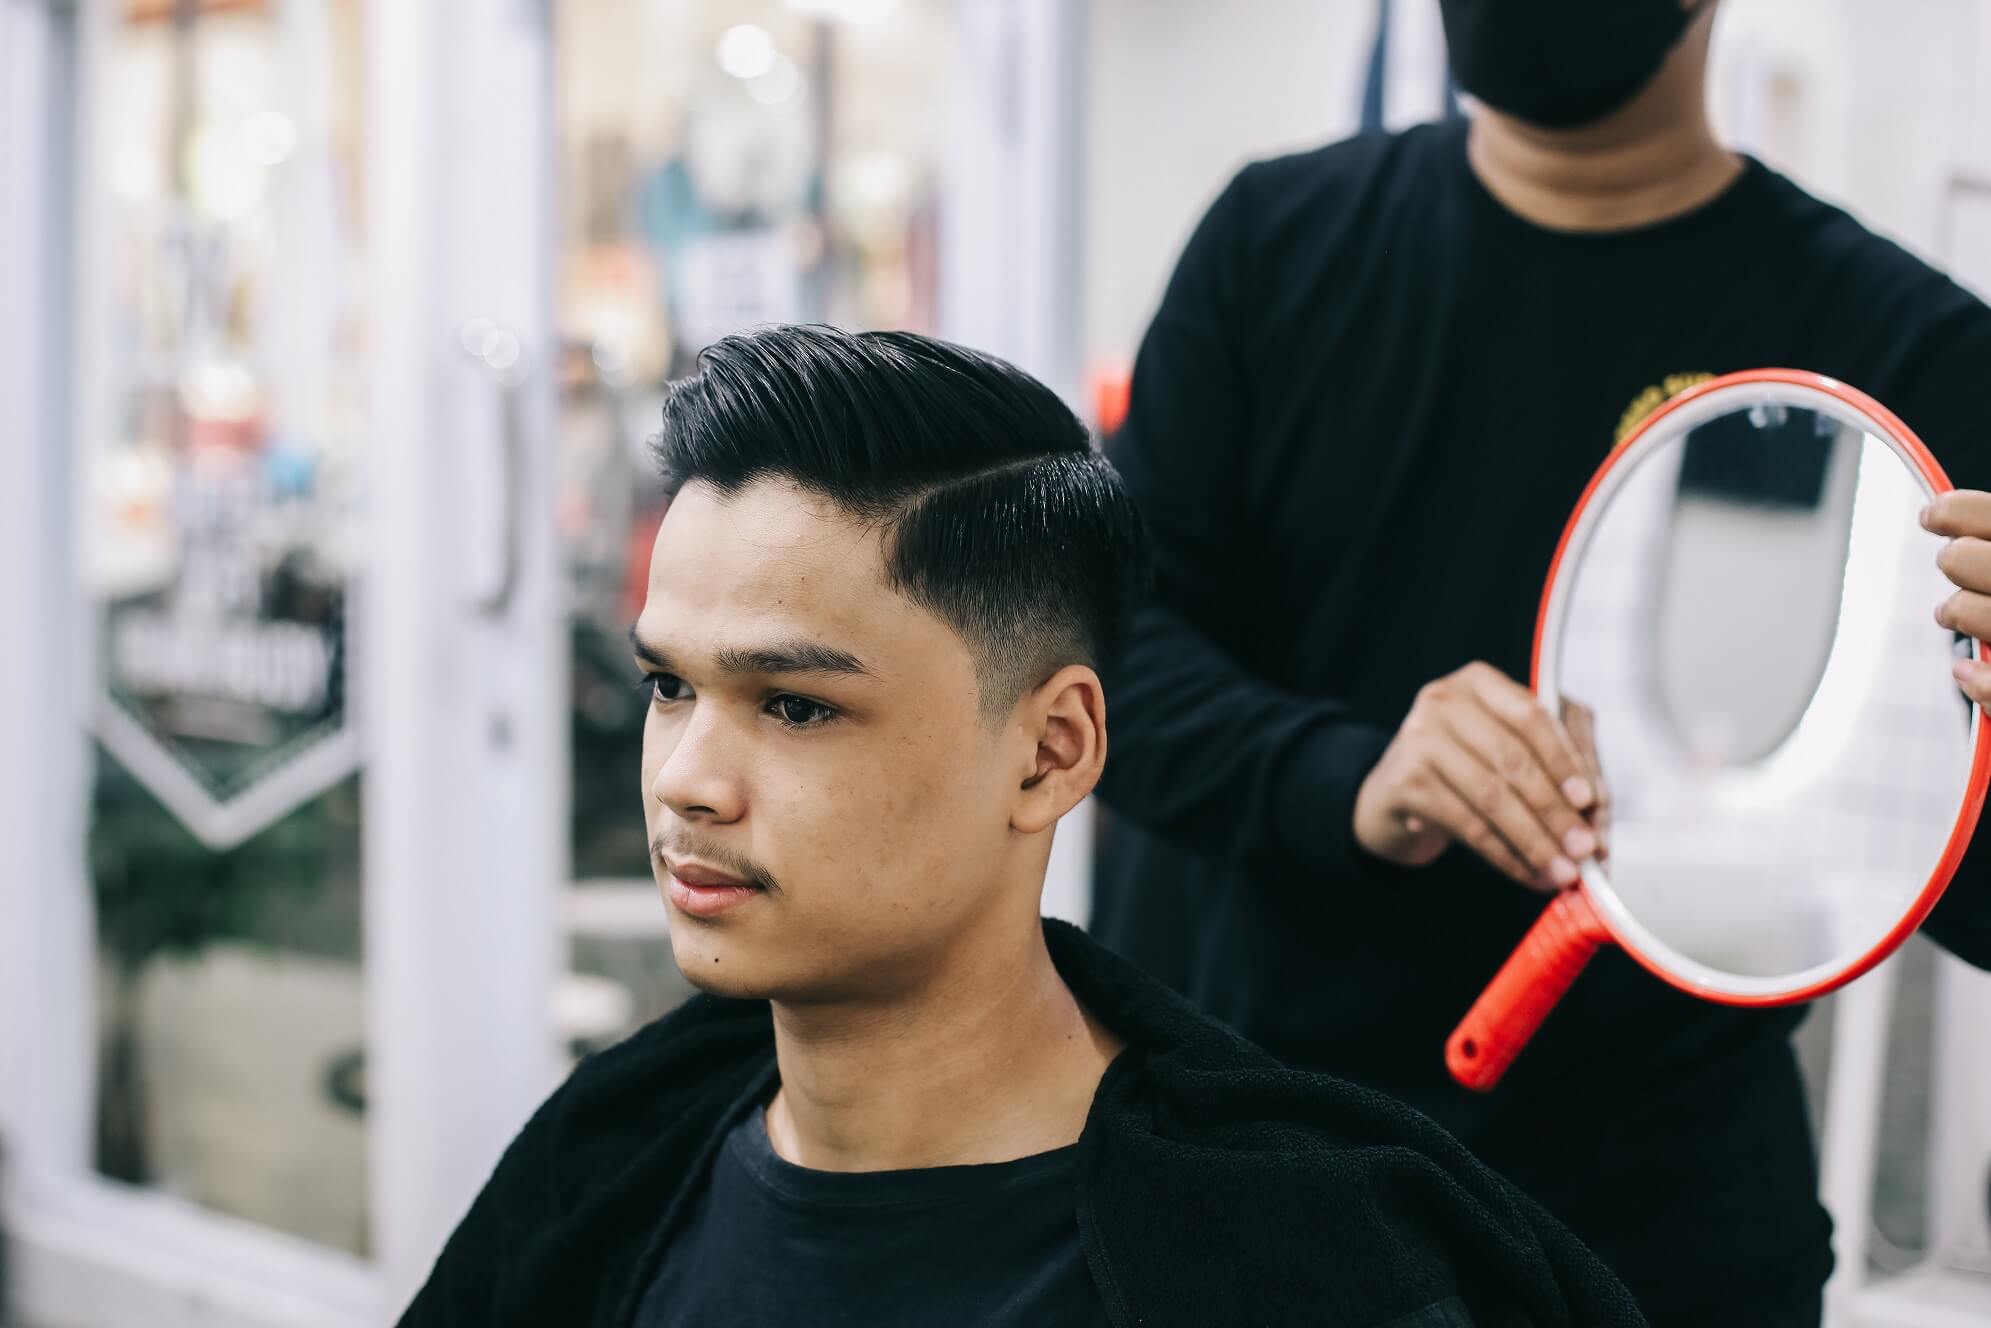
(663, 687)
(799, 712)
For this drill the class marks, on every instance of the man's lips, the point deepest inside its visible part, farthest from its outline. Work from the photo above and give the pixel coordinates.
(705, 892)
(703, 877)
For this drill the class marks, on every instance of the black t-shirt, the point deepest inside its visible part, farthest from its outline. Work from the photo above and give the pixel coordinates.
(1362, 414)
(772, 1245)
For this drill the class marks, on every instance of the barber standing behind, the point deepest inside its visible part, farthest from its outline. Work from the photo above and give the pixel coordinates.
(1378, 381)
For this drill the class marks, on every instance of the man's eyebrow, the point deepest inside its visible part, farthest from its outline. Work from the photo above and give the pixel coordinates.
(650, 654)
(799, 655)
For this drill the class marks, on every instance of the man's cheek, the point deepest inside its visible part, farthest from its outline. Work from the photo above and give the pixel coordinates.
(860, 825)
(849, 833)
(925, 827)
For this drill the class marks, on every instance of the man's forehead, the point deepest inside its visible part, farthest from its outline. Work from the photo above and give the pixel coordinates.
(769, 534)
(772, 561)
(774, 573)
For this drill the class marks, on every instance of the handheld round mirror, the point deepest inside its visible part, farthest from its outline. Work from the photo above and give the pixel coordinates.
(1739, 628)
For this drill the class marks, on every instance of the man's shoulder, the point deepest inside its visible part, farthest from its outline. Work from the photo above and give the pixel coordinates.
(564, 1217)
(1849, 257)
(1324, 1192)
(1310, 1119)
(1316, 1188)
(674, 1077)
(1881, 318)
(1362, 155)
(1207, 1090)
(1366, 174)
(670, 1055)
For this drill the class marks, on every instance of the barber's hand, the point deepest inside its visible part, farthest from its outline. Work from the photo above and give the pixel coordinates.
(1964, 515)
(1480, 762)
(1579, 722)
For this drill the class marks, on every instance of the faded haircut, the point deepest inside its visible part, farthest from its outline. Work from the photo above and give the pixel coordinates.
(1000, 517)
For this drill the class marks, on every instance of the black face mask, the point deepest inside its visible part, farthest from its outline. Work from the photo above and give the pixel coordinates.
(1559, 63)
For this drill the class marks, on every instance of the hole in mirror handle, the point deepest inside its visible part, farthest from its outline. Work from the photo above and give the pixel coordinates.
(1522, 993)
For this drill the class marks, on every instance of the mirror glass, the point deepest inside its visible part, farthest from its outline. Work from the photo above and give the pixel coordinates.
(1743, 628)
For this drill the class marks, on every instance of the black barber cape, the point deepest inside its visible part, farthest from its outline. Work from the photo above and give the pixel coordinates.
(1364, 411)
(1213, 1186)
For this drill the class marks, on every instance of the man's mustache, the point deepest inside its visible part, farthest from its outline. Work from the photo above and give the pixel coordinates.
(680, 846)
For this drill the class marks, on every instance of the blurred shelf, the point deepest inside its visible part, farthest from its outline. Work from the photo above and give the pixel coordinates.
(627, 906)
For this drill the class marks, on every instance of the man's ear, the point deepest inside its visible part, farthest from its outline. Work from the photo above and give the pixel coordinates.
(1063, 722)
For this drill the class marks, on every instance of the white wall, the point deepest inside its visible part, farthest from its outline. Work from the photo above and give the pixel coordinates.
(1863, 103)
(1180, 94)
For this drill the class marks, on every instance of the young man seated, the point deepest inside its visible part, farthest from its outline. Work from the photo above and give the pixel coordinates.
(877, 607)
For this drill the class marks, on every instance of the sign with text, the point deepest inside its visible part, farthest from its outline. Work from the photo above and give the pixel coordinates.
(224, 667)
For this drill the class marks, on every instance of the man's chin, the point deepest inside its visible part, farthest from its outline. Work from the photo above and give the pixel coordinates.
(724, 967)
(731, 986)
(712, 965)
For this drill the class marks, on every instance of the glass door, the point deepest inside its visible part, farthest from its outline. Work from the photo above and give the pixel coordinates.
(280, 949)
(221, 476)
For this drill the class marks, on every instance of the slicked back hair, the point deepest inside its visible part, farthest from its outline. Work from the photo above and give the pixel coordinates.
(999, 516)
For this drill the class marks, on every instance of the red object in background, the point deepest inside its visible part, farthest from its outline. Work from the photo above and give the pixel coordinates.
(156, 11)
(1570, 930)
(244, 434)
(636, 573)
(1112, 390)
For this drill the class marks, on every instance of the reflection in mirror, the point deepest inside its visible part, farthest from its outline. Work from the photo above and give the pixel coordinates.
(1763, 496)
(1749, 630)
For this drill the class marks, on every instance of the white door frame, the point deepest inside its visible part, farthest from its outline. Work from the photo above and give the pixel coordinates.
(1012, 228)
(466, 687)
(1012, 221)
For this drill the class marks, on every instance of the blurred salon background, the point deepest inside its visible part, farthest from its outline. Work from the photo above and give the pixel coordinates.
(330, 335)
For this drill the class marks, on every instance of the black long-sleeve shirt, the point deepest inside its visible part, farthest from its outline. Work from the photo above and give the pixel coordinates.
(1368, 401)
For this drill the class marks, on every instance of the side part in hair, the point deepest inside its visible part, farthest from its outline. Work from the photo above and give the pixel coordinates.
(1001, 517)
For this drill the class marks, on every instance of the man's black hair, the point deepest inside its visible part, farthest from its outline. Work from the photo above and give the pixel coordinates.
(1000, 517)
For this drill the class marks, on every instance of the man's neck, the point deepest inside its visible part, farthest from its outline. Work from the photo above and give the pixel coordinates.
(1653, 158)
(993, 1062)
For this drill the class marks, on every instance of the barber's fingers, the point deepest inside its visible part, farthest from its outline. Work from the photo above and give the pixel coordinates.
(1556, 829)
(1430, 799)
(1521, 711)
(1964, 516)
(1580, 722)
(1958, 514)
(1966, 562)
(1478, 761)
(1974, 676)
(1967, 611)
(1494, 801)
